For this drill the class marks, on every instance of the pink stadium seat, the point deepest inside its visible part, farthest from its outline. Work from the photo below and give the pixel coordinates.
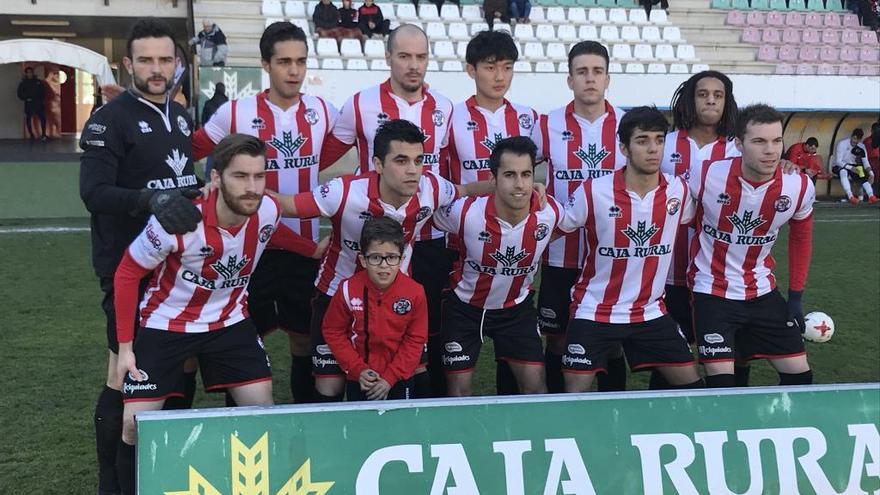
(848, 70)
(829, 54)
(813, 19)
(756, 18)
(751, 35)
(794, 19)
(869, 70)
(771, 35)
(785, 69)
(775, 19)
(830, 37)
(791, 36)
(736, 18)
(868, 38)
(806, 70)
(831, 20)
(850, 20)
(869, 54)
(849, 37)
(788, 53)
(809, 54)
(849, 54)
(767, 53)
(827, 70)
(811, 37)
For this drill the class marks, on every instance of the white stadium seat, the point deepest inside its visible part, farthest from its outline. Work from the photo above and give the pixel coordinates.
(393, 24)
(567, 32)
(556, 51)
(643, 52)
(545, 32)
(350, 48)
(388, 11)
(478, 27)
(638, 16)
(272, 8)
(428, 12)
(436, 31)
(615, 68)
(327, 47)
(524, 32)
(545, 67)
(503, 26)
(295, 9)
(303, 24)
(407, 12)
(273, 20)
(556, 15)
(534, 50)
(433, 66)
(609, 33)
(452, 66)
(685, 52)
(630, 34)
(678, 68)
(312, 63)
(471, 13)
(537, 14)
(597, 16)
(617, 16)
(656, 68)
(374, 49)
(379, 64)
(577, 15)
(332, 63)
(357, 64)
(310, 7)
(449, 12)
(658, 16)
(444, 50)
(458, 31)
(621, 52)
(310, 44)
(562, 67)
(699, 68)
(461, 49)
(651, 34)
(665, 52)
(635, 69)
(522, 66)
(672, 34)
(588, 33)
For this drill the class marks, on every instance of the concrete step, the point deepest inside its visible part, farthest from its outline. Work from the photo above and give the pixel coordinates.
(716, 52)
(214, 8)
(712, 34)
(697, 17)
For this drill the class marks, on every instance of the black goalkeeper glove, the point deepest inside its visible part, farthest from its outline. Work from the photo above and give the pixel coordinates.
(795, 310)
(173, 208)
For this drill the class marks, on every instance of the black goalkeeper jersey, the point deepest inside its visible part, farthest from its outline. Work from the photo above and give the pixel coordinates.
(128, 145)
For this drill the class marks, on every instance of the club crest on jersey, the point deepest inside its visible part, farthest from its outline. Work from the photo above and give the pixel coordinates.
(782, 204)
(266, 232)
(258, 124)
(287, 146)
(206, 251)
(177, 161)
(484, 236)
(423, 213)
(675, 157)
(724, 199)
(231, 267)
(526, 121)
(745, 223)
(672, 206)
(324, 190)
(183, 126)
(402, 306)
(641, 234)
(593, 157)
(312, 116)
(381, 118)
(614, 212)
(438, 117)
(145, 127)
(365, 215)
(567, 135)
(489, 144)
(541, 231)
(472, 126)
(509, 257)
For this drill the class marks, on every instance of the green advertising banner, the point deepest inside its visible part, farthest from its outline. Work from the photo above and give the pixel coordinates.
(795, 440)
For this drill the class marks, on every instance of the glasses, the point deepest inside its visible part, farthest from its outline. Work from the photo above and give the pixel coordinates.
(376, 259)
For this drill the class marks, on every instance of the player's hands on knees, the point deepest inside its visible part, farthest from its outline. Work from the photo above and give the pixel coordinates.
(126, 363)
(796, 310)
(379, 391)
(174, 209)
(322, 248)
(367, 379)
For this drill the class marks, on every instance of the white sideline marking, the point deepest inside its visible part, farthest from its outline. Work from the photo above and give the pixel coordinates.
(38, 230)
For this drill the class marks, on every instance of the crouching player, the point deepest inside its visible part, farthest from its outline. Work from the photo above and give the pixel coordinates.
(196, 302)
(377, 322)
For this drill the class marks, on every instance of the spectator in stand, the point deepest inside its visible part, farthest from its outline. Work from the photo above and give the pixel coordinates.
(495, 10)
(371, 20)
(212, 45)
(214, 102)
(804, 156)
(520, 10)
(872, 146)
(348, 21)
(326, 19)
(438, 3)
(648, 4)
(33, 93)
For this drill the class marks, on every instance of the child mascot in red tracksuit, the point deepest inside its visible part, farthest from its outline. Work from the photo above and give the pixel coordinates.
(377, 322)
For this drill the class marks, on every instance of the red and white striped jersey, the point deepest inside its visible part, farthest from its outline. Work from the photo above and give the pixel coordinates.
(499, 260)
(351, 200)
(628, 239)
(293, 137)
(474, 132)
(737, 223)
(680, 154)
(576, 150)
(200, 278)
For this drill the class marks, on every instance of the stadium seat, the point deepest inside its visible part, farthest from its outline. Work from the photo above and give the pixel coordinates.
(461, 49)
(449, 12)
(615, 68)
(833, 5)
(756, 18)
(651, 34)
(588, 33)
(556, 51)
(524, 32)
(721, 4)
(831, 20)
(826, 70)
(444, 50)
(851, 21)
(272, 8)
(806, 70)
(659, 17)
(808, 54)
(310, 7)
(295, 9)
(433, 66)
(630, 34)
(332, 63)
(567, 32)
(771, 35)
(312, 63)
(374, 49)
(797, 5)
(751, 34)
(477, 27)
(849, 37)
(868, 38)
(327, 47)
(664, 52)
(577, 15)
(452, 66)
(671, 34)
(787, 53)
(545, 32)
(761, 4)
(428, 12)
(767, 53)
(394, 24)
(555, 15)
(436, 31)
(458, 31)
(740, 4)
(597, 16)
(815, 5)
(830, 37)
(775, 19)
(829, 54)
(566, 3)
(736, 18)
(633, 68)
(785, 69)
(273, 20)
(471, 13)
(617, 16)
(849, 54)
(537, 15)
(379, 65)
(778, 5)
(606, 3)
(811, 37)
(562, 67)
(638, 17)
(522, 66)
(310, 44)
(609, 33)
(621, 52)
(350, 48)
(357, 64)
(534, 50)
(848, 70)
(388, 11)
(678, 68)
(794, 19)
(643, 52)
(699, 68)
(303, 24)
(587, 3)
(503, 26)
(545, 67)
(656, 68)
(791, 36)
(869, 70)
(685, 52)
(407, 12)
(869, 54)
(813, 19)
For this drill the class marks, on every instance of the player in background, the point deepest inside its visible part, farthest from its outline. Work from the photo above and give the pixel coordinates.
(501, 239)
(851, 157)
(136, 161)
(631, 218)
(404, 96)
(479, 122)
(377, 322)
(293, 125)
(804, 156)
(741, 205)
(579, 142)
(196, 302)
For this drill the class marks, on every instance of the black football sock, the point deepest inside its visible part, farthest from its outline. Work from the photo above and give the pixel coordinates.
(657, 381)
(302, 383)
(742, 375)
(435, 367)
(614, 380)
(697, 384)
(720, 381)
(189, 392)
(505, 380)
(553, 368)
(422, 386)
(805, 378)
(108, 431)
(125, 467)
(230, 402)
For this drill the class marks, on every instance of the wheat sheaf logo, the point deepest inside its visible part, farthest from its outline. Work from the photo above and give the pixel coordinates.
(230, 269)
(287, 146)
(593, 156)
(250, 474)
(745, 224)
(509, 257)
(641, 234)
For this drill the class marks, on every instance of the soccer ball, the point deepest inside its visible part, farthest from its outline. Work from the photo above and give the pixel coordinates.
(819, 327)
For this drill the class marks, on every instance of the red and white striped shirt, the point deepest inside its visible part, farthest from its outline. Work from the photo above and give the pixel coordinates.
(474, 132)
(293, 137)
(351, 200)
(680, 154)
(499, 259)
(577, 150)
(200, 278)
(629, 242)
(737, 223)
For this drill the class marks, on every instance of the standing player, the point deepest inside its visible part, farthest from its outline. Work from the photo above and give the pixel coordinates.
(294, 126)
(579, 142)
(631, 218)
(481, 121)
(136, 160)
(741, 205)
(501, 237)
(852, 158)
(404, 96)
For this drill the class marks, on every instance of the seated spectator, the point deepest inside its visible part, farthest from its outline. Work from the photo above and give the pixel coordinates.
(326, 19)
(212, 45)
(648, 4)
(495, 10)
(520, 10)
(804, 156)
(371, 20)
(348, 22)
(872, 146)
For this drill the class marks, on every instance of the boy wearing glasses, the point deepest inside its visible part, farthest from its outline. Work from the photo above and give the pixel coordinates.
(377, 322)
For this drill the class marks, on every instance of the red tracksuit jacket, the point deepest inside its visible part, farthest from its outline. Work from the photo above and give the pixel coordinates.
(384, 331)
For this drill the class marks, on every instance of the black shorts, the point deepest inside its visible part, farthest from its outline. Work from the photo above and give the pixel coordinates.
(678, 303)
(647, 344)
(110, 309)
(514, 331)
(323, 361)
(228, 358)
(280, 292)
(402, 390)
(431, 263)
(753, 329)
(554, 298)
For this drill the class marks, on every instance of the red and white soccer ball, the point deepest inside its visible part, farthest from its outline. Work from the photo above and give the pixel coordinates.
(819, 327)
